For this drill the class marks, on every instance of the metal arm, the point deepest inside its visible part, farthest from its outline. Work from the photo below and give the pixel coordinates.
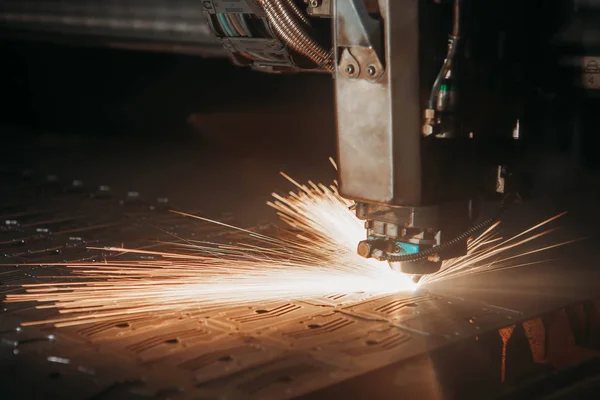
(411, 190)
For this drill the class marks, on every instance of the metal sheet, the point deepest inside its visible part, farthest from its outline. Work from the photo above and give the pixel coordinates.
(278, 349)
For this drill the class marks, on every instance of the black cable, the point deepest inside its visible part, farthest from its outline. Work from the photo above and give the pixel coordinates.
(456, 19)
(453, 40)
(448, 245)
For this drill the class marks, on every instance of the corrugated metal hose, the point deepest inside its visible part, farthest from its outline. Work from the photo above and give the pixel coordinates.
(285, 18)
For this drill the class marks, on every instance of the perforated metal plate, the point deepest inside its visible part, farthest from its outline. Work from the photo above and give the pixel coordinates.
(276, 349)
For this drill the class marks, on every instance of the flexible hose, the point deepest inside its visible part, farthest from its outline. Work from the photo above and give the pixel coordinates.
(437, 249)
(292, 4)
(303, 38)
(456, 18)
(452, 45)
(448, 245)
(288, 28)
(294, 35)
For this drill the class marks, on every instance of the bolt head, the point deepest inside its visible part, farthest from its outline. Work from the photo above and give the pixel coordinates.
(371, 70)
(315, 3)
(350, 69)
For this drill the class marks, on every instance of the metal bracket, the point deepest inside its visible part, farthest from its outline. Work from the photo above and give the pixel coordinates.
(349, 65)
(320, 8)
(359, 34)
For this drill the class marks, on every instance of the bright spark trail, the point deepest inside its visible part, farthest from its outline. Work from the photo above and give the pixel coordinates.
(316, 256)
(489, 252)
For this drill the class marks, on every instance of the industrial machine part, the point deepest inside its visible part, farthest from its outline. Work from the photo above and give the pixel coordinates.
(423, 139)
(409, 168)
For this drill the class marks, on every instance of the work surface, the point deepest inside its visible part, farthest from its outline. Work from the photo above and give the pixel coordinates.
(471, 338)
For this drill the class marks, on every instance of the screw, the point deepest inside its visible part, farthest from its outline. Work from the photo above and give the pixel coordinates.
(350, 69)
(371, 70)
(397, 249)
(315, 3)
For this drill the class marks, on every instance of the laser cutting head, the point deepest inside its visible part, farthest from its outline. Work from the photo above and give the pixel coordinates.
(405, 152)
(409, 182)
(414, 240)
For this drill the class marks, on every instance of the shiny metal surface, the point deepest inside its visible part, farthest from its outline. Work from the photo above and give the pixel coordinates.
(378, 122)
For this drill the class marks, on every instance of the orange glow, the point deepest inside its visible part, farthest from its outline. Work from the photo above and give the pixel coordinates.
(486, 253)
(505, 334)
(314, 255)
(314, 258)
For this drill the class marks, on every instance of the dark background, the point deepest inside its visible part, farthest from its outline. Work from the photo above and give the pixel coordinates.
(151, 120)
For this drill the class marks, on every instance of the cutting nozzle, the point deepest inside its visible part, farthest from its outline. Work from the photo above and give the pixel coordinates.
(386, 249)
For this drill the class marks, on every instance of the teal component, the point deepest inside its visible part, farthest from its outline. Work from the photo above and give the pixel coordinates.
(225, 25)
(406, 248)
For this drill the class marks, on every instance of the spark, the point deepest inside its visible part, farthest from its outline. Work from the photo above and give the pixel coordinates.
(490, 252)
(313, 256)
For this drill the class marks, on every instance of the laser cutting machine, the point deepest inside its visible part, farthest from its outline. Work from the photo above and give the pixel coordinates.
(406, 156)
(430, 94)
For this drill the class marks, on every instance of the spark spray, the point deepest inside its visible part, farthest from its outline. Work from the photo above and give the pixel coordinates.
(312, 256)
